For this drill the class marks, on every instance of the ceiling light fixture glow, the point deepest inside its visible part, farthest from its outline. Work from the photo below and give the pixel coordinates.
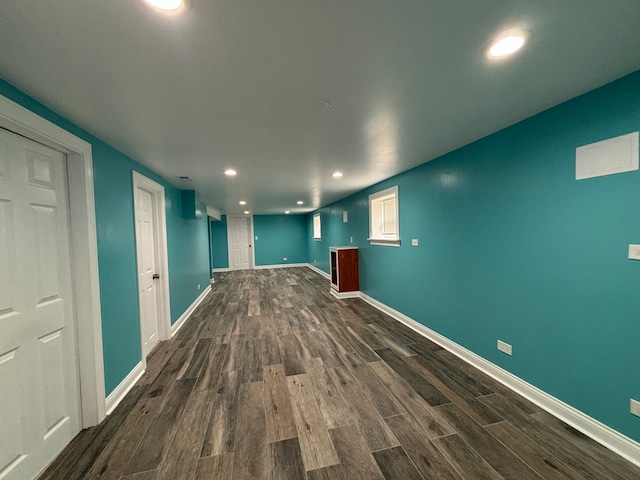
(168, 5)
(337, 174)
(287, 212)
(230, 172)
(246, 212)
(507, 44)
(300, 202)
(242, 202)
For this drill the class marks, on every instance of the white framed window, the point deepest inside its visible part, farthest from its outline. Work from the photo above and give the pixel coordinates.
(384, 225)
(317, 232)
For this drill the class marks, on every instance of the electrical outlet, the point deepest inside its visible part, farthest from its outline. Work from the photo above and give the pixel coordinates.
(504, 347)
(256, 237)
(414, 242)
(635, 407)
(284, 258)
(198, 286)
(350, 239)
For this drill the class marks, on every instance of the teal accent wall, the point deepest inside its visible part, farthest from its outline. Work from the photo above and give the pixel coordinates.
(187, 242)
(219, 244)
(280, 236)
(513, 247)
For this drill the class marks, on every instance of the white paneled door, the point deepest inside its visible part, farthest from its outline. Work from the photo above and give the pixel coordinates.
(240, 243)
(147, 269)
(39, 379)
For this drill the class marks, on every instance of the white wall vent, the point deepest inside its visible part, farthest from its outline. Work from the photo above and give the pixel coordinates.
(615, 155)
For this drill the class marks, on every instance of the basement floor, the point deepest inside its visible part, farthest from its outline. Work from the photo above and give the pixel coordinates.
(274, 378)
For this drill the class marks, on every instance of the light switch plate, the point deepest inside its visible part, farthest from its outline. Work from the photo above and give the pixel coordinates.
(634, 252)
(635, 407)
(414, 242)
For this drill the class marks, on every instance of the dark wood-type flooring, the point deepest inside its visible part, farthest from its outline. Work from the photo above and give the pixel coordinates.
(273, 378)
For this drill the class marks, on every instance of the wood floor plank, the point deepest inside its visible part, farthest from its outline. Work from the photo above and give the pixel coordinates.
(157, 440)
(278, 414)
(290, 354)
(421, 385)
(235, 358)
(166, 377)
(539, 459)
(316, 446)
(465, 459)
(210, 373)
(284, 461)
(149, 475)
(356, 459)
(395, 463)
(377, 434)
(590, 468)
(196, 360)
(270, 349)
(386, 404)
(252, 363)
(594, 450)
(324, 349)
(460, 396)
(493, 451)
(427, 459)
(219, 467)
(181, 459)
(221, 431)
(250, 446)
(113, 460)
(337, 411)
(413, 403)
(334, 472)
(389, 342)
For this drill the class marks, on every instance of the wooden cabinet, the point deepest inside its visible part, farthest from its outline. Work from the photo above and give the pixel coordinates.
(345, 281)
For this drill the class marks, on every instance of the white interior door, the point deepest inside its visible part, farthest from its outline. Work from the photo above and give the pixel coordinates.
(239, 232)
(39, 378)
(147, 269)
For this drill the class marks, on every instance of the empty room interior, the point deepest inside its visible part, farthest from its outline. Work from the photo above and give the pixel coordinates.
(287, 239)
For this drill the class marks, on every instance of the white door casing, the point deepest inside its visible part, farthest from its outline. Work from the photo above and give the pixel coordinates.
(240, 239)
(39, 376)
(151, 254)
(83, 245)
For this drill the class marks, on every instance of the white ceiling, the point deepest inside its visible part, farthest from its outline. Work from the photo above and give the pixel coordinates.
(235, 83)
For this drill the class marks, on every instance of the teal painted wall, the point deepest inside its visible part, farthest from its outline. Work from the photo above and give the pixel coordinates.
(280, 236)
(187, 246)
(512, 247)
(219, 244)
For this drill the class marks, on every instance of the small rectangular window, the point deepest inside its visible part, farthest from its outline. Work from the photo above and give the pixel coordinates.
(383, 217)
(317, 234)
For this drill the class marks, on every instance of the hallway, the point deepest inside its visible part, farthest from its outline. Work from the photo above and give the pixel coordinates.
(274, 378)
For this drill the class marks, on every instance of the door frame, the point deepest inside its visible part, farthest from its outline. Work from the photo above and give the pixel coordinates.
(156, 190)
(84, 245)
(252, 257)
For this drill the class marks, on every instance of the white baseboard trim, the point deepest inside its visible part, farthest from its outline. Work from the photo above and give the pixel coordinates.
(218, 270)
(601, 433)
(317, 270)
(183, 318)
(121, 390)
(344, 294)
(280, 265)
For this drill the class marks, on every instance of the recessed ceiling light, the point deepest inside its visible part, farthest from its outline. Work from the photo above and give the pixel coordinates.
(230, 172)
(300, 202)
(242, 202)
(507, 44)
(246, 212)
(336, 174)
(321, 105)
(287, 212)
(168, 5)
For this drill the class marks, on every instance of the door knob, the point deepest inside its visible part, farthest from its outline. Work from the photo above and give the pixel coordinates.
(156, 276)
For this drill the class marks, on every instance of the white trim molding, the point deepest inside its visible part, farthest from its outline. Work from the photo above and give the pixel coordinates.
(187, 313)
(124, 387)
(280, 265)
(84, 244)
(342, 295)
(219, 270)
(318, 271)
(601, 433)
